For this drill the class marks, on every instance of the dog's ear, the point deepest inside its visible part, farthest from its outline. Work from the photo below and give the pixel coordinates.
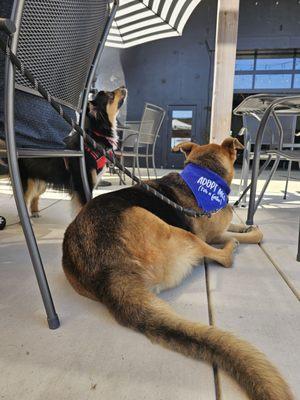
(92, 95)
(232, 144)
(184, 147)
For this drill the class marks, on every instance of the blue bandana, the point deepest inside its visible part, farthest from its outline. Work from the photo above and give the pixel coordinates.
(209, 189)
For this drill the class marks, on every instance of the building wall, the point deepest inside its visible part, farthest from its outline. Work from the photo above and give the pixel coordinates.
(269, 26)
(173, 71)
(178, 71)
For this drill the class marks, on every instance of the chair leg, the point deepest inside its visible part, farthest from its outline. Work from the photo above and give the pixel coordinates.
(287, 179)
(84, 177)
(120, 175)
(133, 168)
(52, 317)
(253, 205)
(153, 163)
(263, 167)
(138, 165)
(272, 172)
(298, 254)
(147, 161)
(245, 174)
(154, 166)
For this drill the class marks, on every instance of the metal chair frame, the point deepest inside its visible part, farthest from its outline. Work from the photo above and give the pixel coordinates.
(133, 131)
(279, 154)
(13, 153)
(264, 154)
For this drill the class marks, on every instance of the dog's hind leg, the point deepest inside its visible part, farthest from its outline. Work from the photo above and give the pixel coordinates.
(29, 192)
(32, 191)
(40, 188)
(165, 253)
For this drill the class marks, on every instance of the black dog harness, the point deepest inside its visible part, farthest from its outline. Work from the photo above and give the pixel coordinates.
(99, 159)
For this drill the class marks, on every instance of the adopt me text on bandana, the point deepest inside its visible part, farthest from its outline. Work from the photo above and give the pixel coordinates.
(209, 189)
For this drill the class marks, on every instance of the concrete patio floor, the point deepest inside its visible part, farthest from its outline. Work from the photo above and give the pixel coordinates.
(92, 357)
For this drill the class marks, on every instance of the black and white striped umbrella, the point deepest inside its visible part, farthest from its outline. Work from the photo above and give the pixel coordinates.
(140, 21)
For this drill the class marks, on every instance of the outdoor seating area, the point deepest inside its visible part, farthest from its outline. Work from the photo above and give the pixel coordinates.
(92, 356)
(150, 160)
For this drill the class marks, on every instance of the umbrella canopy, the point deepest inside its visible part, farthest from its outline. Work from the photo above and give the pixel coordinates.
(140, 21)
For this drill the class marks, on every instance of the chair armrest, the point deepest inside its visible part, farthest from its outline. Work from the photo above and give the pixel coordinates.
(7, 26)
(132, 124)
(128, 129)
(129, 137)
(289, 145)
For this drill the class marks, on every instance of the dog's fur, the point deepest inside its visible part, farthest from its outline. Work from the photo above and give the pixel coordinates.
(125, 246)
(64, 174)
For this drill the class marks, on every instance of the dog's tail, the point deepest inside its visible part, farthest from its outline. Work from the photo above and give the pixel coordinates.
(141, 310)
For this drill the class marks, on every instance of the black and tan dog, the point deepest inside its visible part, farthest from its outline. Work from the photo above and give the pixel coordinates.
(64, 174)
(126, 245)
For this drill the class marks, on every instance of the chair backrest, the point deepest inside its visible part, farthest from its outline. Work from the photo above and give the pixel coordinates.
(270, 136)
(150, 124)
(129, 139)
(57, 41)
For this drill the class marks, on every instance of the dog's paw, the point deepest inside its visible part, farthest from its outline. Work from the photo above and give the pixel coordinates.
(235, 244)
(229, 248)
(35, 214)
(256, 233)
(250, 228)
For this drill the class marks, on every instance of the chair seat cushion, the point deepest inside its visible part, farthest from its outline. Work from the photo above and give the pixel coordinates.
(37, 124)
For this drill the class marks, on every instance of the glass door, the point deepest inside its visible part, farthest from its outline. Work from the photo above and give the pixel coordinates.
(181, 128)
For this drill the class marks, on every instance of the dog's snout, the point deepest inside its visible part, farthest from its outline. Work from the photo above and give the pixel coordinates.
(123, 90)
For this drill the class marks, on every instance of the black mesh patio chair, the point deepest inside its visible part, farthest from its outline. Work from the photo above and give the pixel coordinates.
(60, 42)
(139, 138)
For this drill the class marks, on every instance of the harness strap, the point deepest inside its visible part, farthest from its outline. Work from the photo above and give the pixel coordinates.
(99, 159)
(111, 140)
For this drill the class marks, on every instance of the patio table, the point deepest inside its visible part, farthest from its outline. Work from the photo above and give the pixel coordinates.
(262, 107)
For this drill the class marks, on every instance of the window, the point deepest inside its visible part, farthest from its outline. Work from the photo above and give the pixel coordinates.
(273, 81)
(297, 81)
(270, 71)
(244, 64)
(182, 121)
(243, 81)
(269, 63)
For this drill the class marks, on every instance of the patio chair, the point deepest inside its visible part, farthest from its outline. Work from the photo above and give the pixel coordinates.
(267, 107)
(249, 132)
(60, 43)
(139, 138)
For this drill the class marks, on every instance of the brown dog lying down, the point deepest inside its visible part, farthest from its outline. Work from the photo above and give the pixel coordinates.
(126, 245)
